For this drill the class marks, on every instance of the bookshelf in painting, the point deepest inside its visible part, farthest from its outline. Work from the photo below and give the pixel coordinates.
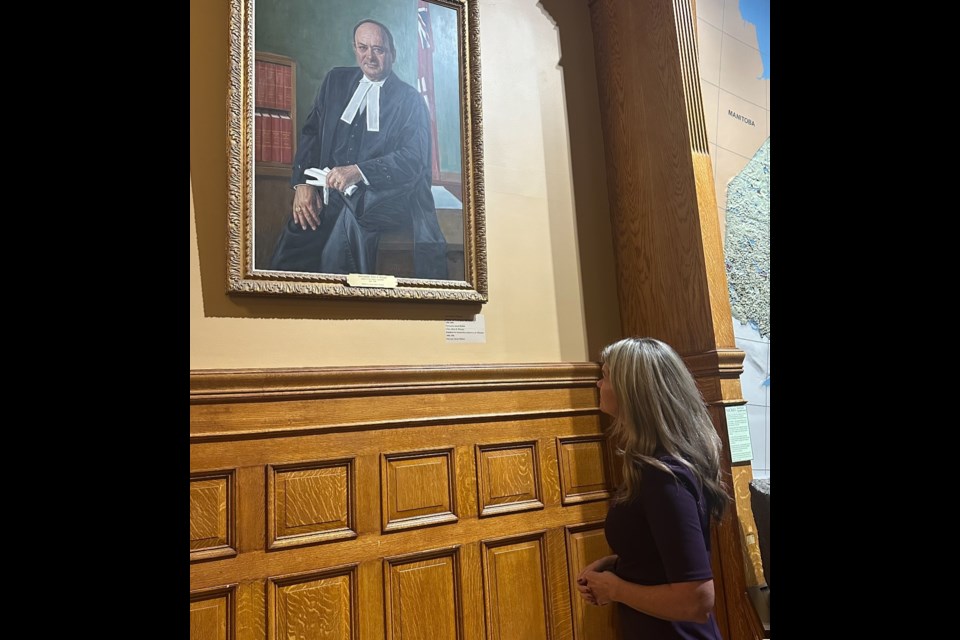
(275, 140)
(275, 110)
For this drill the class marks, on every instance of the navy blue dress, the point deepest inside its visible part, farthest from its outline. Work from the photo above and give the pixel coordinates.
(662, 536)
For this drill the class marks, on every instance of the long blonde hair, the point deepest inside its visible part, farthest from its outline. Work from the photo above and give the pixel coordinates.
(660, 405)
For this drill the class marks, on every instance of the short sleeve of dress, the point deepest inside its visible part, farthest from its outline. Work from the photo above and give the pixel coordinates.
(675, 523)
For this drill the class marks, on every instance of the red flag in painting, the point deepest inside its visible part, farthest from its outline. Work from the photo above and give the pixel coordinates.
(425, 79)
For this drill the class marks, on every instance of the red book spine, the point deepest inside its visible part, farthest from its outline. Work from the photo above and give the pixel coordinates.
(267, 139)
(270, 85)
(277, 150)
(285, 88)
(286, 140)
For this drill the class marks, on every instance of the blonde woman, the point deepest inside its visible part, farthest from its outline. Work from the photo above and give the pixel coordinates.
(659, 523)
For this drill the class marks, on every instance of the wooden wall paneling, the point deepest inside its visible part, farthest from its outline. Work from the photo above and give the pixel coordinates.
(468, 505)
(585, 543)
(311, 502)
(251, 508)
(304, 416)
(423, 596)
(228, 405)
(251, 615)
(742, 476)
(213, 515)
(515, 572)
(212, 613)
(315, 604)
(471, 582)
(550, 465)
(225, 386)
(316, 552)
(256, 564)
(584, 469)
(508, 477)
(368, 507)
(372, 599)
(558, 591)
(418, 489)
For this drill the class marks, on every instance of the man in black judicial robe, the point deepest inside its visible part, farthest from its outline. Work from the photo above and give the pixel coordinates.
(372, 131)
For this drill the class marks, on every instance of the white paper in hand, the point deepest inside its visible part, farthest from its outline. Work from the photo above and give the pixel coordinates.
(320, 180)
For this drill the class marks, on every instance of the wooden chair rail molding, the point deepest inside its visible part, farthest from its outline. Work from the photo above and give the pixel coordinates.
(218, 385)
(208, 386)
(250, 403)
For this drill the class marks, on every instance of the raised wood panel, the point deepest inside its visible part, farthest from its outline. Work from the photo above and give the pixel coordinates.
(418, 489)
(320, 604)
(423, 596)
(211, 614)
(212, 515)
(514, 572)
(508, 478)
(310, 503)
(586, 543)
(583, 469)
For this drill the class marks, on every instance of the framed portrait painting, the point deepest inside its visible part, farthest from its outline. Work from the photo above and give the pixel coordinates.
(355, 154)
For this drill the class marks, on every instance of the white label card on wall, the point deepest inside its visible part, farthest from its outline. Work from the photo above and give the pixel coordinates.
(464, 331)
(738, 430)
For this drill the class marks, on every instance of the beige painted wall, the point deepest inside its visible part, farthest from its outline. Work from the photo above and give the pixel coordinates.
(550, 259)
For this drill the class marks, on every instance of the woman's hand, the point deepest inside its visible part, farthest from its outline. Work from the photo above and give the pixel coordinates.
(597, 566)
(598, 587)
(585, 592)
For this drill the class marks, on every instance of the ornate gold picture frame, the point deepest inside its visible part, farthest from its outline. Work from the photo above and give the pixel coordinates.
(393, 184)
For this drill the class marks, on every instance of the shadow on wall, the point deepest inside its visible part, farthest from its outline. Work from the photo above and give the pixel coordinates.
(588, 165)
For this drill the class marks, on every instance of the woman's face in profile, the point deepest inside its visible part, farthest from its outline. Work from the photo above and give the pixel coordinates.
(608, 399)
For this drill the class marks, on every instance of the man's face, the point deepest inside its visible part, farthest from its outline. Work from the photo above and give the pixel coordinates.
(372, 48)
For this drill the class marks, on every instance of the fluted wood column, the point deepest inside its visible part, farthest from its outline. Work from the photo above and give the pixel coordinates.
(670, 268)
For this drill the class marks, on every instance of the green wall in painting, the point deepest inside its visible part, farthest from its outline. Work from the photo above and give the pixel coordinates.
(318, 34)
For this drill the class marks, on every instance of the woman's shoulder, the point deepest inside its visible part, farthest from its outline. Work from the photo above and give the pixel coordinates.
(671, 461)
(677, 471)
